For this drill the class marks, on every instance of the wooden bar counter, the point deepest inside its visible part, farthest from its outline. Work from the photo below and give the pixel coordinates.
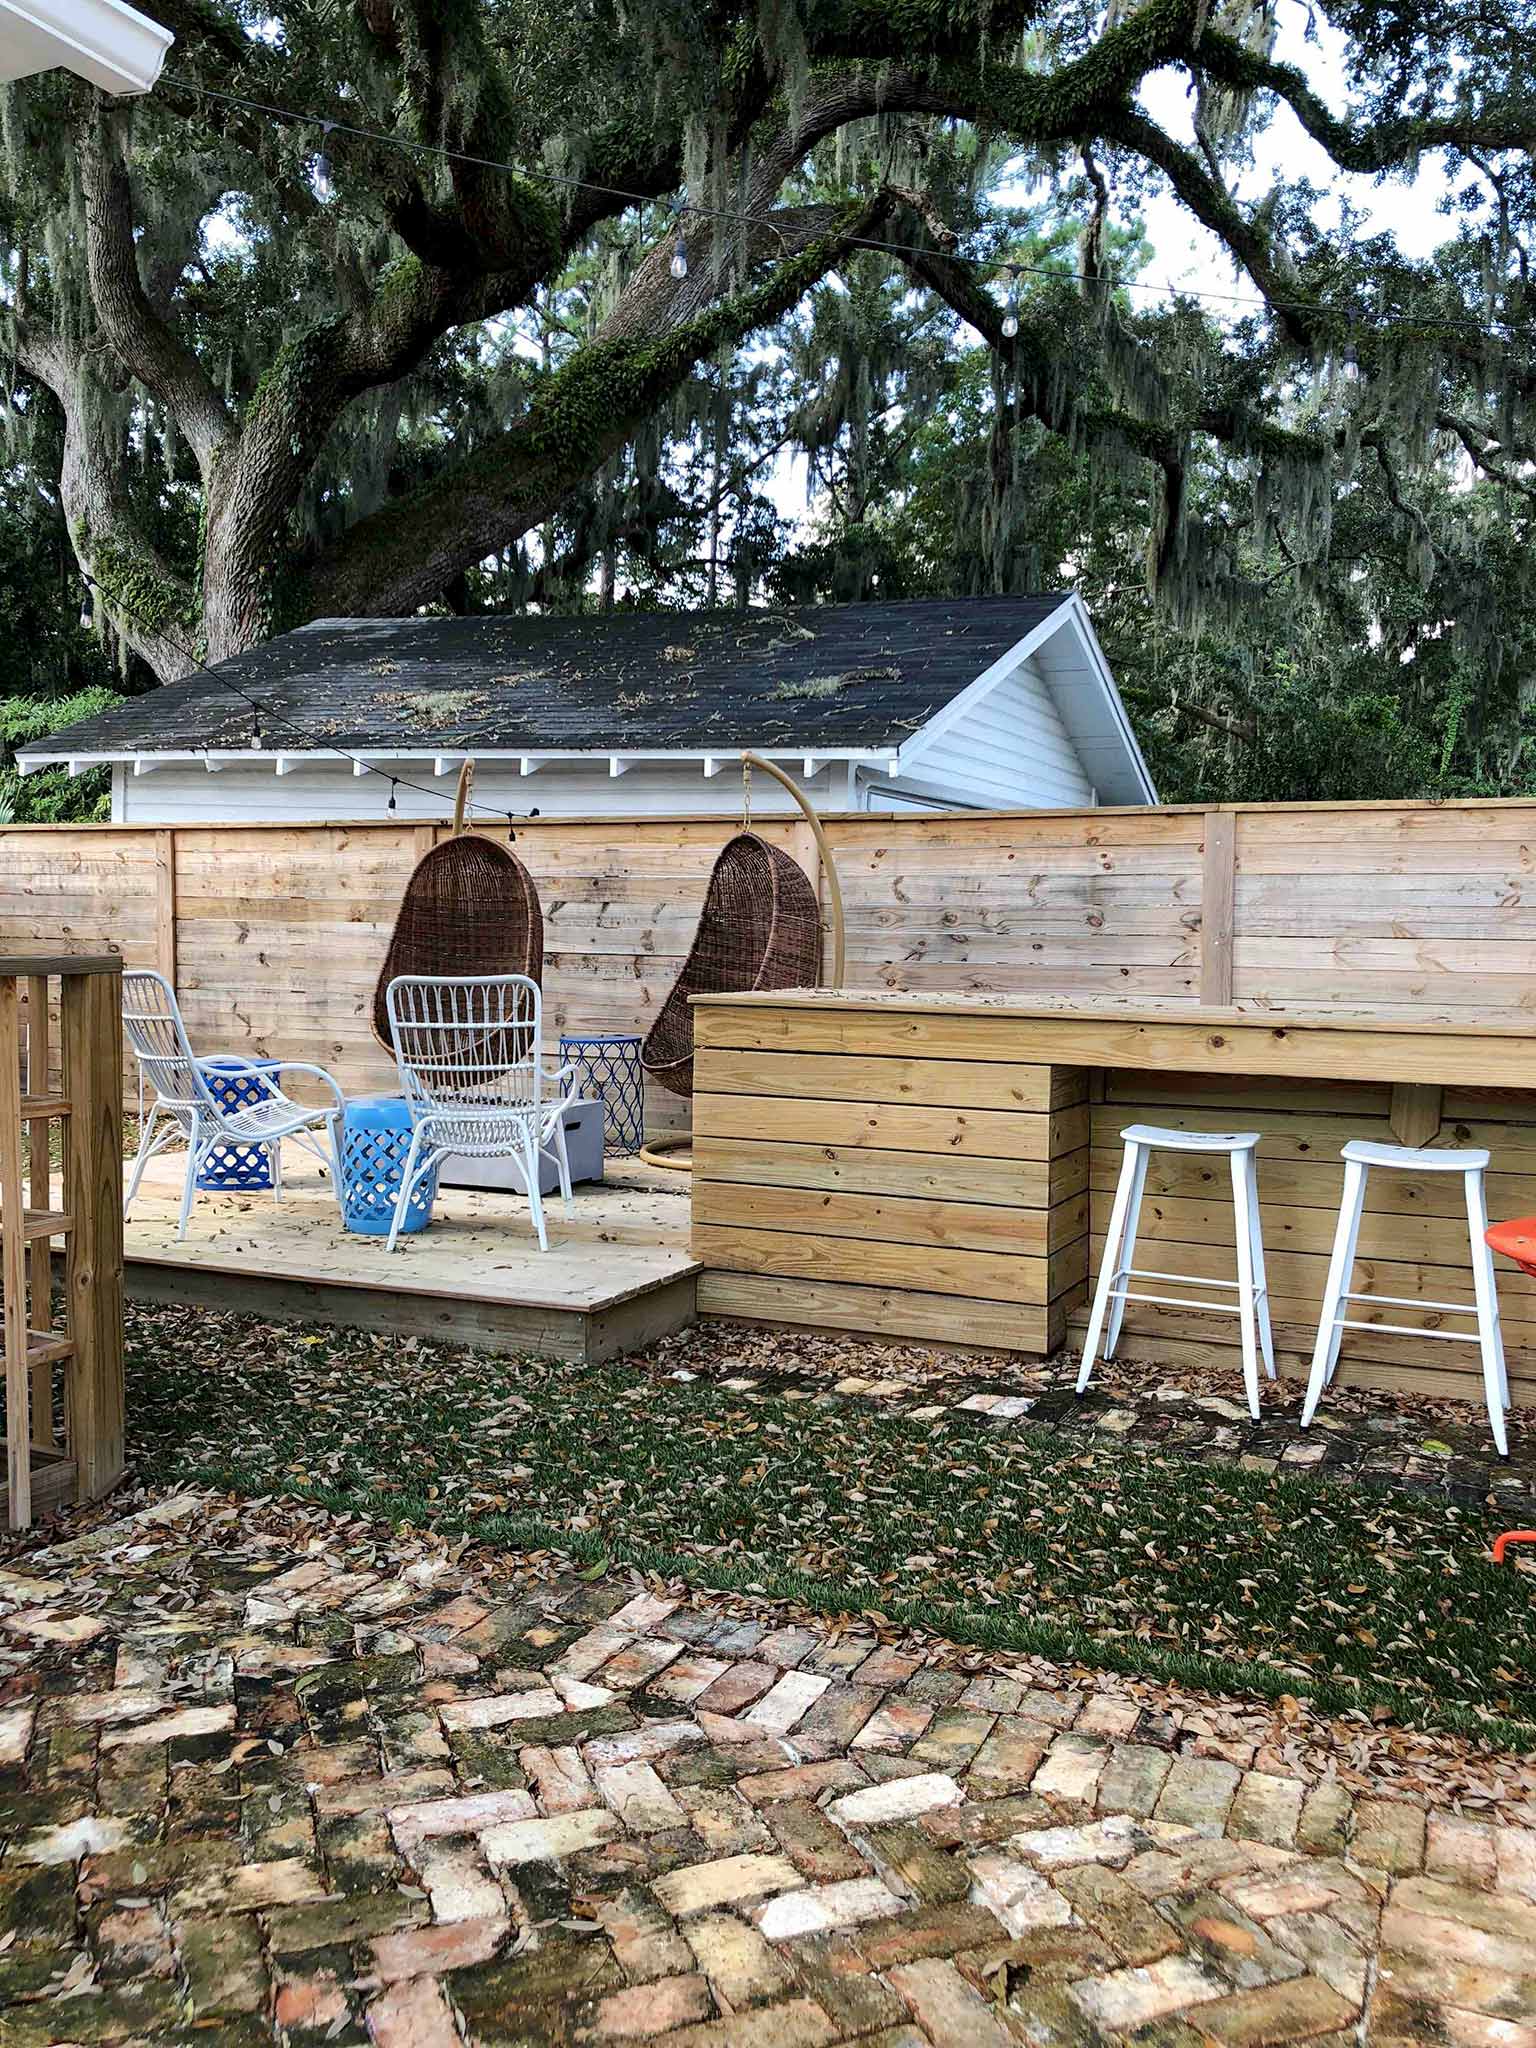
(938, 1168)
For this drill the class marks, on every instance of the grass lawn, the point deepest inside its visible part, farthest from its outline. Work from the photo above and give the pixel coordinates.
(1113, 1557)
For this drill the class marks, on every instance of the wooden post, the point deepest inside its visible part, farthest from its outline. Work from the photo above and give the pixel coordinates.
(1416, 1112)
(13, 1230)
(165, 904)
(92, 1033)
(1218, 893)
(39, 1147)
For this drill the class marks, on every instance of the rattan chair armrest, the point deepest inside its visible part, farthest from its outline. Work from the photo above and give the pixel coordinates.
(320, 1074)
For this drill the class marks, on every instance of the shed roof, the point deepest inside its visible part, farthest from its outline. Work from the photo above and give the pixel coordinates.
(858, 676)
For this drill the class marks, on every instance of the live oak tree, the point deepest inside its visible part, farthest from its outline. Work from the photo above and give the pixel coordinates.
(351, 405)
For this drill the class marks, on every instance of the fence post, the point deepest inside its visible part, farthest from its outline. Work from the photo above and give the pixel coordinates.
(1218, 897)
(165, 904)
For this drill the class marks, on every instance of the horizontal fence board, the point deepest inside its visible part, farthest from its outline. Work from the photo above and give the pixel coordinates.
(958, 1084)
(984, 1276)
(850, 1169)
(897, 1314)
(983, 1134)
(1319, 1185)
(942, 1225)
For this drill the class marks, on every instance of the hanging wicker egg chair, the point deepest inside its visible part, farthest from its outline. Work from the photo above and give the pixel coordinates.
(470, 908)
(760, 929)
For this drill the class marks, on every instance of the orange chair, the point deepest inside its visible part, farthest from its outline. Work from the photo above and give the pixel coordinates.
(1516, 1241)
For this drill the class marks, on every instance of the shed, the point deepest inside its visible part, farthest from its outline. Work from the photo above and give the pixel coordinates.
(978, 703)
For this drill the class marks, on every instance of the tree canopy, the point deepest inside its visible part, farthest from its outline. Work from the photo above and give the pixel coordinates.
(465, 365)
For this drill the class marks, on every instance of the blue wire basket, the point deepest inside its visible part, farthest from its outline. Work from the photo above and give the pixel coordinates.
(608, 1069)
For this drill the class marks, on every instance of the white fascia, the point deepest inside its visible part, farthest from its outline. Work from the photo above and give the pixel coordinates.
(102, 41)
(912, 750)
(528, 763)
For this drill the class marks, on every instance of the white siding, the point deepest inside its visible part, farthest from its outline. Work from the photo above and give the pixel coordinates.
(185, 793)
(1009, 750)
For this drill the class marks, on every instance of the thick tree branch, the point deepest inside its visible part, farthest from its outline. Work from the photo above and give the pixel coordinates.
(149, 604)
(585, 412)
(146, 346)
(1370, 147)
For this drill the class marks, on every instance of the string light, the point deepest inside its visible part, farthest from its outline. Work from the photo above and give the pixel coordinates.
(393, 786)
(325, 183)
(1011, 317)
(984, 265)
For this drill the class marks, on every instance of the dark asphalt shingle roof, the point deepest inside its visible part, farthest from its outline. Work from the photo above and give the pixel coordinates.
(825, 676)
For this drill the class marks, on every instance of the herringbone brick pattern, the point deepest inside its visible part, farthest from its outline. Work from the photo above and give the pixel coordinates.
(250, 1797)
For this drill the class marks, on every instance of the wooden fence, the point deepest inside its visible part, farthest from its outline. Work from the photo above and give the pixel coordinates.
(274, 934)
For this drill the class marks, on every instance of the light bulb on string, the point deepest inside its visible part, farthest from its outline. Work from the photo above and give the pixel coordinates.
(1011, 316)
(325, 182)
(1351, 359)
(679, 264)
(393, 786)
(257, 741)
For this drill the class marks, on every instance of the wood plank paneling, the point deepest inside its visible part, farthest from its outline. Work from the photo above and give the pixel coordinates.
(984, 1134)
(942, 1224)
(975, 1276)
(1413, 1236)
(276, 932)
(900, 1314)
(958, 1084)
(851, 1169)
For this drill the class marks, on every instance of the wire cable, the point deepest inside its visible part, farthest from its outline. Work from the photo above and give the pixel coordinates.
(329, 126)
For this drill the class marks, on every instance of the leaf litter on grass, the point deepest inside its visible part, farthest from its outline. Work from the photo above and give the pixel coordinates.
(1114, 1554)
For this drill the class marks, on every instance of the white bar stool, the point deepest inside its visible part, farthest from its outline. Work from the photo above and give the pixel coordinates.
(1252, 1305)
(1359, 1156)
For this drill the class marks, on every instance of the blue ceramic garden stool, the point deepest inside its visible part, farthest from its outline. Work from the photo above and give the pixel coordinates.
(229, 1168)
(375, 1138)
(607, 1066)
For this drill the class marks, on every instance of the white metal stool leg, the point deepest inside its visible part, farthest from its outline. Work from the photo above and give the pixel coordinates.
(1490, 1334)
(1260, 1275)
(1339, 1299)
(1119, 1269)
(1247, 1316)
(1341, 1266)
(1131, 1172)
(1127, 1257)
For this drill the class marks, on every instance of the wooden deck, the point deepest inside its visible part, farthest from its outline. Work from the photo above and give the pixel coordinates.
(616, 1276)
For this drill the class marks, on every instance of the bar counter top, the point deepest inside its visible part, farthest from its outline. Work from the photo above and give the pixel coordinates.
(1432, 1050)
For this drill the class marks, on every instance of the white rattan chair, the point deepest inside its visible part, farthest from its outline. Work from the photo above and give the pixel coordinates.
(468, 1050)
(185, 1109)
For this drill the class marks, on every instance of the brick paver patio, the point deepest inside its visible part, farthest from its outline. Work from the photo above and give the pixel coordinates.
(307, 1785)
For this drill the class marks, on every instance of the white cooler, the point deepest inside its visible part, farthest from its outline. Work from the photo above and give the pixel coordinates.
(583, 1145)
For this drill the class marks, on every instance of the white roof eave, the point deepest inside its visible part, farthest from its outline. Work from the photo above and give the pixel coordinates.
(144, 760)
(102, 41)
